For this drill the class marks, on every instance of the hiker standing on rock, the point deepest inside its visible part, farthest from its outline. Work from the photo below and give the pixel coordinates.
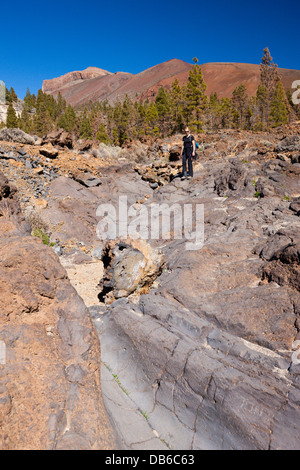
(187, 152)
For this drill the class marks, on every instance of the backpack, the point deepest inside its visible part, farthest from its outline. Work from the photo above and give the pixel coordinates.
(196, 147)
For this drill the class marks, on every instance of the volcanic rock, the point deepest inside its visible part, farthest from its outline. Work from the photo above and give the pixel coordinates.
(16, 135)
(59, 138)
(130, 266)
(49, 152)
(207, 351)
(50, 396)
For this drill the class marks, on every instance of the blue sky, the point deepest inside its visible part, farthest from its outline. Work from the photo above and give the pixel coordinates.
(43, 40)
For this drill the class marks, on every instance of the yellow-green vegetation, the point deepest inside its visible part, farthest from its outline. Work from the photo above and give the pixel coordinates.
(39, 233)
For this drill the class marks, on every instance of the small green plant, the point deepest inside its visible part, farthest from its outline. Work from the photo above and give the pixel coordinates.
(256, 194)
(286, 198)
(120, 385)
(39, 233)
(143, 413)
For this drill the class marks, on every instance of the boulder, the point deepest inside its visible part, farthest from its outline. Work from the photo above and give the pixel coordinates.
(87, 179)
(290, 143)
(49, 151)
(16, 135)
(60, 138)
(131, 265)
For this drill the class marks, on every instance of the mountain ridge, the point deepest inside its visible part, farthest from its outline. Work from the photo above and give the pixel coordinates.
(96, 84)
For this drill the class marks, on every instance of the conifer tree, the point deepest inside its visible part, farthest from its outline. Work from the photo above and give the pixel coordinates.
(278, 109)
(262, 101)
(61, 104)
(102, 135)
(8, 98)
(176, 106)
(268, 79)
(30, 100)
(240, 104)
(41, 118)
(151, 120)
(226, 113)
(196, 99)
(85, 130)
(11, 118)
(13, 95)
(268, 71)
(68, 119)
(25, 120)
(163, 109)
(213, 111)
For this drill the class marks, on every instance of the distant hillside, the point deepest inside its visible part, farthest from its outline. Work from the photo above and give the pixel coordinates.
(96, 84)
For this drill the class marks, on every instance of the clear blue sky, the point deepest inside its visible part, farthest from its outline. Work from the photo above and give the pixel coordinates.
(43, 40)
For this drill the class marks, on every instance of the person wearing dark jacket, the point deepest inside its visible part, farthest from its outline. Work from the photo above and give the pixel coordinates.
(187, 152)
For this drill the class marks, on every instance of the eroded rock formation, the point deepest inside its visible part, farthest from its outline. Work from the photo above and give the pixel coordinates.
(50, 394)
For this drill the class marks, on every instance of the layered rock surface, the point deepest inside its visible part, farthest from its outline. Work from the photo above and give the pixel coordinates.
(207, 353)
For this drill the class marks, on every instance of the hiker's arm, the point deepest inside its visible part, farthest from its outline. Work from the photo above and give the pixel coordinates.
(193, 147)
(182, 149)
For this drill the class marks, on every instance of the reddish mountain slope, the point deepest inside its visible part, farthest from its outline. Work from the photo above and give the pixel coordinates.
(148, 78)
(97, 84)
(223, 78)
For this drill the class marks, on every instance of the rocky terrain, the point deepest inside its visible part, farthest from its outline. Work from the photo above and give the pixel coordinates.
(96, 84)
(50, 392)
(198, 347)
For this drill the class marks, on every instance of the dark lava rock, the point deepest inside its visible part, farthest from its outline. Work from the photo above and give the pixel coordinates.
(208, 352)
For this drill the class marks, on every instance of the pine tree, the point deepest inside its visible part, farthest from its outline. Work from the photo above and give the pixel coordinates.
(151, 120)
(25, 120)
(278, 110)
(176, 106)
(226, 113)
(102, 135)
(60, 104)
(268, 71)
(262, 101)
(163, 109)
(240, 104)
(29, 100)
(268, 79)
(13, 95)
(68, 119)
(196, 100)
(85, 130)
(41, 118)
(11, 118)
(213, 111)
(8, 98)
